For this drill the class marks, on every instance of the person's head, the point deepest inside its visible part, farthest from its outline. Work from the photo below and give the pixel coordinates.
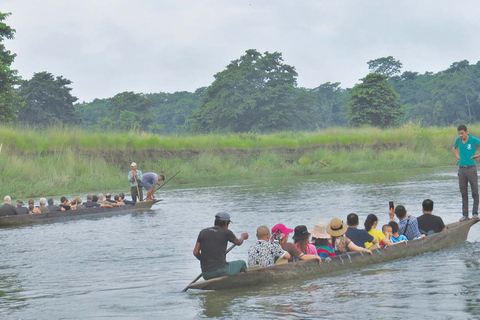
(263, 233)
(352, 220)
(121, 195)
(30, 208)
(394, 226)
(370, 222)
(133, 166)
(50, 201)
(301, 236)
(7, 199)
(280, 233)
(31, 202)
(400, 212)
(63, 200)
(387, 229)
(95, 198)
(319, 231)
(43, 202)
(78, 200)
(100, 196)
(336, 228)
(161, 177)
(427, 206)
(19, 203)
(108, 196)
(89, 197)
(222, 219)
(462, 131)
(116, 198)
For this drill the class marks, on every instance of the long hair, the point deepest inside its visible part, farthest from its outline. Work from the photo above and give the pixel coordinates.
(320, 242)
(371, 219)
(302, 244)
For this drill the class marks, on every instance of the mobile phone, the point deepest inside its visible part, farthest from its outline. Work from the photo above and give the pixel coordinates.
(390, 204)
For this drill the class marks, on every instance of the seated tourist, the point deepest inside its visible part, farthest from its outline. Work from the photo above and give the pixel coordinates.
(301, 240)
(103, 203)
(321, 240)
(396, 237)
(358, 236)
(20, 208)
(43, 205)
(108, 198)
(263, 252)
(78, 203)
(118, 200)
(370, 226)
(65, 204)
(280, 234)
(429, 223)
(407, 224)
(7, 209)
(122, 198)
(90, 203)
(51, 206)
(340, 242)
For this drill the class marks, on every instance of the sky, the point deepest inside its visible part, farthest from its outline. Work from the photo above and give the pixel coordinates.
(106, 47)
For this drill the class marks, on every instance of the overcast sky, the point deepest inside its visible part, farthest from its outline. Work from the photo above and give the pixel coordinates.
(109, 46)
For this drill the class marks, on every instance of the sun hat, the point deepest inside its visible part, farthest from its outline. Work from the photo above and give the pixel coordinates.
(336, 227)
(301, 233)
(133, 164)
(281, 227)
(319, 231)
(222, 216)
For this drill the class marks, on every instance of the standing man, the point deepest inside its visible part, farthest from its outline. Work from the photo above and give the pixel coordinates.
(429, 223)
(211, 249)
(464, 149)
(135, 179)
(149, 182)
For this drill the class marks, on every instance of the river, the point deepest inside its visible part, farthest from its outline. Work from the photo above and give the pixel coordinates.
(134, 266)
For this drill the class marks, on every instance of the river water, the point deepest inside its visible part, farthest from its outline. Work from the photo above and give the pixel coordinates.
(134, 266)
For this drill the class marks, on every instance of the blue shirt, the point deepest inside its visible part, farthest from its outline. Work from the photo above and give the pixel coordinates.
(400, 238)
(359, 236)
(412, 231)
(466, 150)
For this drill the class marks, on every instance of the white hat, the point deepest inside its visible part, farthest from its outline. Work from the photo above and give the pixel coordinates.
(133, 164)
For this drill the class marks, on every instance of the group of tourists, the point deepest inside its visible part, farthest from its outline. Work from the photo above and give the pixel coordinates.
(46, 206)
(323, 241)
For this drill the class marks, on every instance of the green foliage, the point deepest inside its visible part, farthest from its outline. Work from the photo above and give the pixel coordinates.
(387, 66)
(374, 103)
(9, 99)
(254, 93)
(330, 107)
(47, 101)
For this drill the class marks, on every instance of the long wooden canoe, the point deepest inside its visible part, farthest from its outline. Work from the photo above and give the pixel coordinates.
(455, 235)
(27, 219)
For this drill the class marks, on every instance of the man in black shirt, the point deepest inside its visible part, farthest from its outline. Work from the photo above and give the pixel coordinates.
(7, 209)
(429, 223)
(211, 248)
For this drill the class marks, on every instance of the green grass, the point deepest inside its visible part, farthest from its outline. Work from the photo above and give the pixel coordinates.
(68, 160)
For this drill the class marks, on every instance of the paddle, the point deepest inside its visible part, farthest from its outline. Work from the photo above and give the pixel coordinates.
(166, 181)
(138, 190)
(200, 275)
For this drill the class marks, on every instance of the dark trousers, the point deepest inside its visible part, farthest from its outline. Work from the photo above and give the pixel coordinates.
(136, 193)
(468, 175)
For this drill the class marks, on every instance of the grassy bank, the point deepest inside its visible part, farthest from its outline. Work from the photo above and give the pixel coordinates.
(59, 161)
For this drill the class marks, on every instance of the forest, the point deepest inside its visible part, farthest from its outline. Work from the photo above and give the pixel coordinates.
(255, 93)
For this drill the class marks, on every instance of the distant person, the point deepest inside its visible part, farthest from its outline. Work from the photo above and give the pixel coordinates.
(78, 203)
(464, 149)
(65, 204)
(211, 246)
(135, 178)
(359, 236)
(396, 236)
(7, 209)
(340, 242)
(118, 201)
(20, 208)
(408, 225)
(122, 198)
(321, 239)
(51, 205)
(43, 205)
(429, 223)
(103, 203)
(149, 181)
(280, 234)
(90, 203)
(108, 197)
(264, 253)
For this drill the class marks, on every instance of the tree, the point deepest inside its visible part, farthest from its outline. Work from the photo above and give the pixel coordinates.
(374, 102)
(9, 100)
(254, 93)
(136, 103)
(387, 66)
(330, 104)
(47, 101)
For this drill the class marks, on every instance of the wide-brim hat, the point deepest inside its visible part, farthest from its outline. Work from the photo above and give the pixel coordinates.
(320, 231)
(336, 227)
(301, 233)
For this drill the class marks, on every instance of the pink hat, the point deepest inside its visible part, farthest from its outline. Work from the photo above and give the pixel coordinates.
(281, 227)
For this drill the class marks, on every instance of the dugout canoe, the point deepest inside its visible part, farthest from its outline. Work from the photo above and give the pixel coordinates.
(455, 235)
(28, 219)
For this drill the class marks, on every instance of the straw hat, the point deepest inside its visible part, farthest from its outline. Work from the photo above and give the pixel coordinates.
(336, 227)
(319, 231)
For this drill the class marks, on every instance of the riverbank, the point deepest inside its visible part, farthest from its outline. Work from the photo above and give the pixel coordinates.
(64, 161)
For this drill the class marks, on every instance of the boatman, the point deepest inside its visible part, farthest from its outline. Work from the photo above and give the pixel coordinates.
(135, 179)
(211, 249)
(464, 149)
(149, 182)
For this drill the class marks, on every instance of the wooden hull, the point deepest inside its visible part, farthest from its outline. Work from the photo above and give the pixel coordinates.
(455, 235)
(27, 219)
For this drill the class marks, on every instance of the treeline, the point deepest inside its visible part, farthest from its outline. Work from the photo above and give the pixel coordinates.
(255, 93)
